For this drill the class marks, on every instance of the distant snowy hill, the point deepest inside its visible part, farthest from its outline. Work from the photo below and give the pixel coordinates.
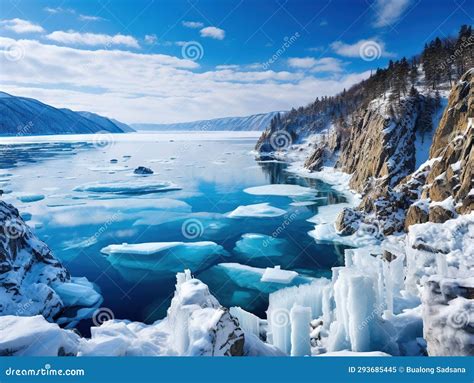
(21, 116)
(256, 122)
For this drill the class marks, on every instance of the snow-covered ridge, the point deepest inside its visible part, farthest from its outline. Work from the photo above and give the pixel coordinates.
(255, 122)
(33, 281)
(21, 116)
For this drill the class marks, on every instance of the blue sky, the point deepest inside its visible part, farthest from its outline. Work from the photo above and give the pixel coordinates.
(170, 61)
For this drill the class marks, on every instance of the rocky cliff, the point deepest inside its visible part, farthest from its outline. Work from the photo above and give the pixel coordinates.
(33, 281)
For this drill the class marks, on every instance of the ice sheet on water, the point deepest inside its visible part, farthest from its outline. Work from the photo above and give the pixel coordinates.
(131, 187)
(78, 292)
(30, 197)
(250, 277)
(164, 257)
(281, 190)
(260, 210)
(260, 245)
(277, 275)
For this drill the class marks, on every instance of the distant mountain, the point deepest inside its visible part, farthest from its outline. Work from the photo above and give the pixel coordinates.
(256, 122)
(21, 116)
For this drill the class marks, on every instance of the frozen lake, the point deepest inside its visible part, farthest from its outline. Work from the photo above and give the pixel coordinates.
(82, 198)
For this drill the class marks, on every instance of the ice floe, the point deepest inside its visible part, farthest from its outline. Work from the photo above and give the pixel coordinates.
(137, 186)
(281, 190)
(259, 210)
(260, 245)
(163, 257)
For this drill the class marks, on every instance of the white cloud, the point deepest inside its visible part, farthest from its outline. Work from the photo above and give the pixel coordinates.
(357, 49)
(192, 24)
(389, 12)
(92, 39)
(56, 10)
(213, 32)
(90, 18)
(21, 26)
(325, 64)
(305, 62)
(151, 39)
(137, 87)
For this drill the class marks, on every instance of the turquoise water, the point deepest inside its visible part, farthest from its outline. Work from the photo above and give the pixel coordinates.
(211, 172)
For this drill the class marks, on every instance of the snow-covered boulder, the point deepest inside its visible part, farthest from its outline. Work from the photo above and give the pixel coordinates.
(28, 269)
(32, 280)
(34, 336)
(448, 316)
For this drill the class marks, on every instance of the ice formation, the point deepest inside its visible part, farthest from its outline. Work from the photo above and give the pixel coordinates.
(259, 210)
(277, 275)
(260, 245)
(165, 257)
(281, 190)
(195, 325)
(136, 186)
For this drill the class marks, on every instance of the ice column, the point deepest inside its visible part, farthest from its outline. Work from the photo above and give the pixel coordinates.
(247, 321)
(300, 318)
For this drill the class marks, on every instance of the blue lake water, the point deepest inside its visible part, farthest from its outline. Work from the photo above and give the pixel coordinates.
(211, 170)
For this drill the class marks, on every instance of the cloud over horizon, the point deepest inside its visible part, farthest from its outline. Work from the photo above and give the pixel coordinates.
(154, 88)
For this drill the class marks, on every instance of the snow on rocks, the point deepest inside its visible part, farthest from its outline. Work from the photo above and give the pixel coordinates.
(30, 274)
(448, 316)
(35, 336)
(259, 210)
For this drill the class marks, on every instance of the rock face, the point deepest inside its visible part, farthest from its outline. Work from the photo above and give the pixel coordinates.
(453, 149)
(28, 269)
(347, 221)
(448, 316)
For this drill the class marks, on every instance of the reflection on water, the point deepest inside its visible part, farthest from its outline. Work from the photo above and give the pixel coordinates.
(210, 175)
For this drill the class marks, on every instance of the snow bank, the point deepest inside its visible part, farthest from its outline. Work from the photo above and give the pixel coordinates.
(34, 336)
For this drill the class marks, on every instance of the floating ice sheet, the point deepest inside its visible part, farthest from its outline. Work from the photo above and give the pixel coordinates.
(281, 190)
(261, 210)
(134, 186)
